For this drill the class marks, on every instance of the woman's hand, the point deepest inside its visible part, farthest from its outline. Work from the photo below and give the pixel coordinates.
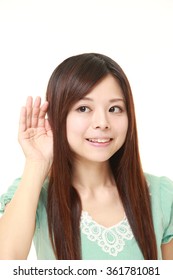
(35, 134)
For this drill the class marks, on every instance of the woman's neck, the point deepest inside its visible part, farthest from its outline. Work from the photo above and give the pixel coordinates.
(92, 175)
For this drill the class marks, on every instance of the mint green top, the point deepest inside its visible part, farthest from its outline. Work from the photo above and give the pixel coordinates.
(99, 242)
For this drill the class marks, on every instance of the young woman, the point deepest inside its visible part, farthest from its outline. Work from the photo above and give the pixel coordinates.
(83, 193)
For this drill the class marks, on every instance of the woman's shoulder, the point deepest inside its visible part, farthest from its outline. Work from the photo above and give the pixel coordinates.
(6, 197)
(161, 193)
(160, 185)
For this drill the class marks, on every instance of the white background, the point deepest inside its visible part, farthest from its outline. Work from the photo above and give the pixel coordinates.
(36, 35)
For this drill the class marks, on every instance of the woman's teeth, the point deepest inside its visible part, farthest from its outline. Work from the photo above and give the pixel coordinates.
(100, 140)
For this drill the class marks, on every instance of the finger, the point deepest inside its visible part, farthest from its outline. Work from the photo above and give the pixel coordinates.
(22, 120)
(35, 112)
(47, 126)
(29, 102)
(42, 114)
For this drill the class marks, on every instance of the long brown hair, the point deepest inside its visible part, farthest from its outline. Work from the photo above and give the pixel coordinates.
(72, 80)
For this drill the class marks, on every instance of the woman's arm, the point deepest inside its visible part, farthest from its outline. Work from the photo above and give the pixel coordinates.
(167, 251)
(18, 222)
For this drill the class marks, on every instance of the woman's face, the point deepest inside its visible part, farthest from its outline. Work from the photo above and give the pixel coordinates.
(98, 123)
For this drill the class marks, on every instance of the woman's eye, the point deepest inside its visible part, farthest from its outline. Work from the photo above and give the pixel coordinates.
(115, 109)
(83, 109)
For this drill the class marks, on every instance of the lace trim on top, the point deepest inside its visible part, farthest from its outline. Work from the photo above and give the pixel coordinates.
(111, 239)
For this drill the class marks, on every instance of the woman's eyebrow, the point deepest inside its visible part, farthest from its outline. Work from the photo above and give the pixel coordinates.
(116, 100)
(111, 100)
(87, 98)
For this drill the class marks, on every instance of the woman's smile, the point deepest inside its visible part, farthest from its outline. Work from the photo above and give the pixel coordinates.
(99, 142)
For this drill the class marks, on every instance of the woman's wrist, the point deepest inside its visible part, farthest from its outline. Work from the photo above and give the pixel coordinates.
(34, 174)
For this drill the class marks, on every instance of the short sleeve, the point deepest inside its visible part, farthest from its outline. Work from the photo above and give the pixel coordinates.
(167, 208)
(6, 197)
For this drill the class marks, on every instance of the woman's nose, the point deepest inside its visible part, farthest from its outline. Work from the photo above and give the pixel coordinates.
(100, 120)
